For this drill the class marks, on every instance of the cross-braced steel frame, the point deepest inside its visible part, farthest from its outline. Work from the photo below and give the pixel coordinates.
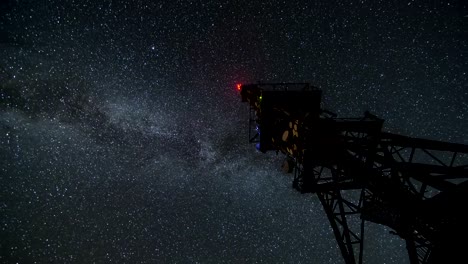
(415, 186)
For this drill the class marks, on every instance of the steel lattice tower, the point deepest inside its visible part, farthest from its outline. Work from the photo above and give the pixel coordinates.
(417, 187)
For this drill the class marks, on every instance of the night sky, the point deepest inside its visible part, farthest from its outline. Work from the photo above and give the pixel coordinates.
(123, 138)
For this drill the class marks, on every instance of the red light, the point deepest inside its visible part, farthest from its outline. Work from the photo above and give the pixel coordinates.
(239, 86)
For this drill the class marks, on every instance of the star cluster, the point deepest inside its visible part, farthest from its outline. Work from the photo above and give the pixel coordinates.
(122, 137)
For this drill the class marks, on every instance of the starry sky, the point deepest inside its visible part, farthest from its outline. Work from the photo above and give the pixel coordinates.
(123, 139)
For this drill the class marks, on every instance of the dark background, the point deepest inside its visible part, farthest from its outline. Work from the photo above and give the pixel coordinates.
(123, 139)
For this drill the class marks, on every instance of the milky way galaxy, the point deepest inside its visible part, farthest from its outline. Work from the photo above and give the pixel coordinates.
(123, 138)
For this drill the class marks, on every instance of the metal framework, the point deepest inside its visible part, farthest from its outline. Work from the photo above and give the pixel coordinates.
(415, 186)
